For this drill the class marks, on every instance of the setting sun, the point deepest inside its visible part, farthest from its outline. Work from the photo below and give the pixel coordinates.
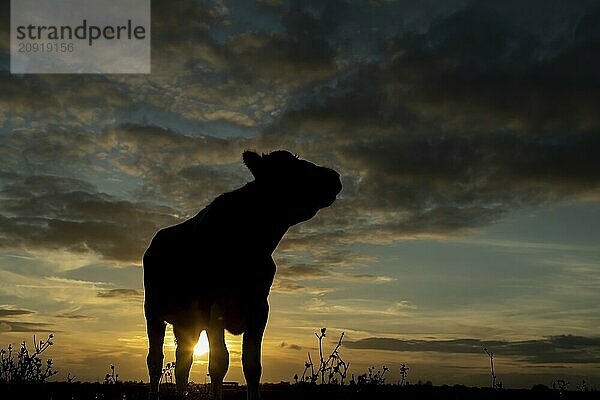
(201, 347)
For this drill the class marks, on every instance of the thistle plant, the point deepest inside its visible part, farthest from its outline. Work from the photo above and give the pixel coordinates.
(168, 372)
(111, 378)
(403, 375)
(331, 370)
(26, 367)
(312, 378)
(493, 373)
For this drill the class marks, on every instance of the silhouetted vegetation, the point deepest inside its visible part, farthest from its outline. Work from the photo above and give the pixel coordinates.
(168, 373)
(26, 367)
(111, 378)
(372, 377)
(24, 376)
(495, 385)
(331, 370)
(403, 375)
(561, 385)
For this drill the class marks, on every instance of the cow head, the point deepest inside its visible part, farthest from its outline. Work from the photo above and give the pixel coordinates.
(295, 188)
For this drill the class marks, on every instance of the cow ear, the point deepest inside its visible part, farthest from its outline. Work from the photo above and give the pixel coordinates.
(254, 162)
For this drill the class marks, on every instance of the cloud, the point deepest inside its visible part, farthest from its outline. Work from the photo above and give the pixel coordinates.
(413, 131)
(121, 293)
(290, 346)
(553, 349)
(433, 140)
(63, 213)
(206, 69)
(199, 79)
(300, 56)
(401, 307)
(360, 308)
(271, 3)
(303, 259)
(161, 164)
(302, 271)
(11, 326)
(478, 35)
(322, 271)
(288, 286)
(75, 316)
(13, 312)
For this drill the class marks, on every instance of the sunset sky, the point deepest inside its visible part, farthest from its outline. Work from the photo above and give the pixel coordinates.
(467, 134)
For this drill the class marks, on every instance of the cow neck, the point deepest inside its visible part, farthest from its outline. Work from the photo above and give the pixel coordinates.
(269, 222)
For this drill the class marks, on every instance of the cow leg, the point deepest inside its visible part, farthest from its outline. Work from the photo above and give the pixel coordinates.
(186, 337)
(218, 362)
(156, 338)
(251, 350)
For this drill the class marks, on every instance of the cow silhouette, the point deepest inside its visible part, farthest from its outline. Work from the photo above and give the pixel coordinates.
(214, 271)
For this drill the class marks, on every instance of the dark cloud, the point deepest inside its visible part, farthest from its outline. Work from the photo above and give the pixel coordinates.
(121, 293)
(306, 257)
(455, 127)
(466, 171)
(191, 83)
(74, 316)
(172, 167)
(11, 326)
(553, 349)
(53, 212)
(479, 36)
(289, 286)
(12, 312)
(211, 66)
(167, 19)
(292, 49)
(271, 3)
(302, 271)
(323, 271)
